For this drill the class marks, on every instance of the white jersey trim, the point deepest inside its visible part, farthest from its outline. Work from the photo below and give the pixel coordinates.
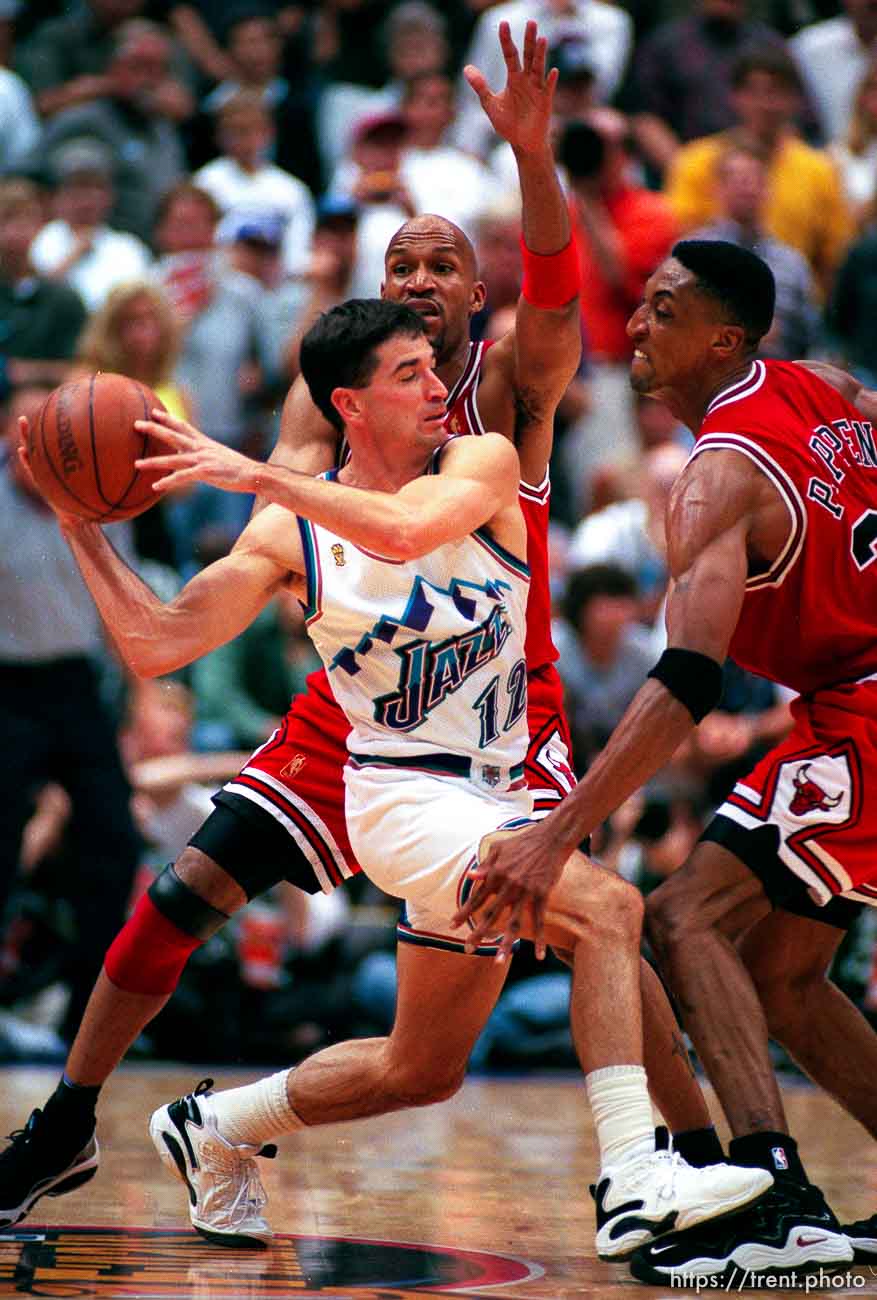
(539, 493)
(745, 387)
(791, 497)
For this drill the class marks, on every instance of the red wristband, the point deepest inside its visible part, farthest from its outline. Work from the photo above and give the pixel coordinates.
(550, 279)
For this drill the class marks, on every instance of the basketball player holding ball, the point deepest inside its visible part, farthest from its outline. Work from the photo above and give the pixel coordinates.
(283, 817)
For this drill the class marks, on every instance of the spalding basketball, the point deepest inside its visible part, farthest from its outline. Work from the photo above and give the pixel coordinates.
(83, 446)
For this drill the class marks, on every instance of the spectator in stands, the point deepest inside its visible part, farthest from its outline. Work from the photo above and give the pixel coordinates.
(805, 202)
(244, 183)
(440, 177)
(411, 41)
(70, 61)
(833, 56)
(19, 123)
(855, 152)
(742, 196)
(143, 140)
(40, 321)
(622, 231)
(78, 247)
(608, 29)
(224, 352)
(252, 50)
(851, 308)
(329, 273)
(53, 717)
(605, 653)
(372, 177)
(680, 87)
(630, 534)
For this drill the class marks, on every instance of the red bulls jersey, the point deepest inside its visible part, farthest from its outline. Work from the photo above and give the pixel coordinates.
(811, 621)
(463, 417)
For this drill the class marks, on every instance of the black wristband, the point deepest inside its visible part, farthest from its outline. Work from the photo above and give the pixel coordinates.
(695, 679)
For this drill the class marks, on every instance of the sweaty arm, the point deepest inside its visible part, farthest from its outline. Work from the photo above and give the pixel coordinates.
(477, 481)
(154, 637)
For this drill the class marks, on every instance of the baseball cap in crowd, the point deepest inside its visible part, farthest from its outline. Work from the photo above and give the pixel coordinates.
(571, 55)
(387, 122)
(336, 207)
(81, 156)
(251, 228)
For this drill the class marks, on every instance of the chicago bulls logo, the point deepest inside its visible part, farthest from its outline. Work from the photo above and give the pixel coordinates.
(808, 795)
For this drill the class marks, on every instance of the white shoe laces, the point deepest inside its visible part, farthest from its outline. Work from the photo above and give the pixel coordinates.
(669, 1165)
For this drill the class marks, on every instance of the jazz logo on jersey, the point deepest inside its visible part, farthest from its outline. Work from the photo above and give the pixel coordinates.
(808, 795)
(429, 673)
(338, 555)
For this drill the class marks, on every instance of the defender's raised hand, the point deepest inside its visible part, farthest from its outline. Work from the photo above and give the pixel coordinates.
(521, 112)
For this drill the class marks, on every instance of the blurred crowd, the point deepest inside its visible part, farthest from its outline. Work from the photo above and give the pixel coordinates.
(184, 186)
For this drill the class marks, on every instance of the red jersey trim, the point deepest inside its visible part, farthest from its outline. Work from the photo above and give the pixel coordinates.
(789, 493)
(743, 388)
(464, 379)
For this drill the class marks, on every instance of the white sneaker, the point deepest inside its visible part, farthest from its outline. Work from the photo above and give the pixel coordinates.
(641, 1199)
(225, 1193)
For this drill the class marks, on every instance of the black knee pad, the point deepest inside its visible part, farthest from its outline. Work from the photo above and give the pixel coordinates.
(183, 907)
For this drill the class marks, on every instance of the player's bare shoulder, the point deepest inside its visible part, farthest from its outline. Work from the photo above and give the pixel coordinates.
(274, 535)
(491, 457)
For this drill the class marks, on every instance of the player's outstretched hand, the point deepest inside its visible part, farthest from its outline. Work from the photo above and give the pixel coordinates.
(194, 458)
(517, 871)
(521, 112)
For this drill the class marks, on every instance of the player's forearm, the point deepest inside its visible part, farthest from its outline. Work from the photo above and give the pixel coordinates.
(378, 521)
(136, 621)
(648, 735)
(544, 215)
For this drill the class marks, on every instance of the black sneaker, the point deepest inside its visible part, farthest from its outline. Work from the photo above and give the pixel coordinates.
(862, 1236)
(30, 1168)
(790, 1229)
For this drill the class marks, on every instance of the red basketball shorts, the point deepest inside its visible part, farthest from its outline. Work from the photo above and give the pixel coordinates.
(817, 788)
(295, 778)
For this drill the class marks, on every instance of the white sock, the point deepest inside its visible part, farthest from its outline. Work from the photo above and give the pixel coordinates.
(257, 1112)
(622, 1110)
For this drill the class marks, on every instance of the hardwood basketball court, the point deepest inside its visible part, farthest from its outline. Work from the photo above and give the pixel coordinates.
(485, 1195)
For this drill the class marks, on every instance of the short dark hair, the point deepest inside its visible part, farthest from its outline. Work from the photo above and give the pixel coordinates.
(594, 580)
(772, 59)
(739, 280)
(339, 350)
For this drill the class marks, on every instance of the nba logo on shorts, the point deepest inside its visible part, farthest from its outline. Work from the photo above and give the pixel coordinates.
(294, 766)
(490, 775)
(780, 1159)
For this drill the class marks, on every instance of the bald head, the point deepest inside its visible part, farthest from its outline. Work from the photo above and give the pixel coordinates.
(433, 229)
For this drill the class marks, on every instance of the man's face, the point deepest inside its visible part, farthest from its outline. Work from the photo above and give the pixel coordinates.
(742, 187)
(730, 11)
(84, 199)
(764, 102)
(673, 332)
(18, 229)
(138, 66)
(431, 270)
(188, 226)
(863, 14)
(255, 46)
(405, 400)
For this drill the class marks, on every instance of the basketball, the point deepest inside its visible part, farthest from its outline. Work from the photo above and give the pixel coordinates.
(83, 446)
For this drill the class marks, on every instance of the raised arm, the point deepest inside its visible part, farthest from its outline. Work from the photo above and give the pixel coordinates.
(541, 355)
(479, 478)
(709, 526)
(865, 399)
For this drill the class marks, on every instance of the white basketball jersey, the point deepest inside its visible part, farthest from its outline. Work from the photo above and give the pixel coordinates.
(425, 657)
